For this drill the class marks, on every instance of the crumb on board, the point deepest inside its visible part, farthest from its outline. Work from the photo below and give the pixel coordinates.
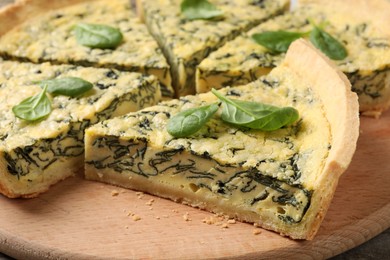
(219, 220)
(186, 217)
(139, 194)
(136, 217)
(149, 202)
(114, 193)
(256, 231)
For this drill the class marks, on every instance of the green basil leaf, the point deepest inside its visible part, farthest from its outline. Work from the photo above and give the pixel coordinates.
(33, 108)
(277, 41)
(255, 115)
(189, 121)
(327, 44)
(98, 35)
(70, 86)
(274, 119)
(199, 9)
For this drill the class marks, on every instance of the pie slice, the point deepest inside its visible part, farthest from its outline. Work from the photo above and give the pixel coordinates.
(283, 180)
(362, 26)
(37, 154)
(186, 43)
(42, 31)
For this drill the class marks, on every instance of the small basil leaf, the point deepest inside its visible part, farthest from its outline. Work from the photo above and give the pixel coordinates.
(199, 9)
(70, 86)
(33, 108)
(277, 41)
(255, 115)
(327, 44)
(97, 35)
(189, 121)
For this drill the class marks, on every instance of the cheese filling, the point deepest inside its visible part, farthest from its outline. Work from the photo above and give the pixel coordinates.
(200, 174)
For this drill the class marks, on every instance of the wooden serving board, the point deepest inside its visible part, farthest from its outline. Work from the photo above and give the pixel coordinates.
(82, 219)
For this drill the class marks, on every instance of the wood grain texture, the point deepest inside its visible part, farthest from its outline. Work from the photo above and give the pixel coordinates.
(83, 220)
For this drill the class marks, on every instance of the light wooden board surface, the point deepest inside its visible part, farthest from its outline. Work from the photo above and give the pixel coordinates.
(81, 219)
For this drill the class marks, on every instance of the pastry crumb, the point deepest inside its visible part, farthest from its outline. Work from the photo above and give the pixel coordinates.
(139, 194)
(114, 193)
(256, 231)
(209, 221)
(186, 217)
(150, 202)
(256, 224)
(136, 217)
(231, 221)
(220, 220)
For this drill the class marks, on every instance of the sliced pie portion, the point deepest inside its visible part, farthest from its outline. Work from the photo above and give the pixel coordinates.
(284, 180)
(40, 31)
(187, 42)
(363, 27)
(37, 154)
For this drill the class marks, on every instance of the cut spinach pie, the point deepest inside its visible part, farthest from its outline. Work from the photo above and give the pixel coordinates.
(42, 132)
(39, 31)
(361, 26)
(187, 39)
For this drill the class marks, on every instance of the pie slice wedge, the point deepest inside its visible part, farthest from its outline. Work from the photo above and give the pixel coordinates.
(283, 180)
(37, 154)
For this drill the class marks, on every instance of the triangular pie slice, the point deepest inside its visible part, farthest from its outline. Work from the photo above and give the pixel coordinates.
(36, 154)
(42, 31)
(186, 42)
(283, 180)
(363, 27)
